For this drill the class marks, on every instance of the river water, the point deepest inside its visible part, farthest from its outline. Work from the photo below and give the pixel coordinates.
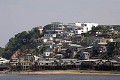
(58, 77)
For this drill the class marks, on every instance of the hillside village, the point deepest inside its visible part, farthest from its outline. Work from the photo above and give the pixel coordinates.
(59, 46)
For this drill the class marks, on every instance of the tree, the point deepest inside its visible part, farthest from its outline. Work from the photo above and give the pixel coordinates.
(1, 51)
(113, 48)
(102, 56)
(22, 41)
(101, 28)
(47, 27)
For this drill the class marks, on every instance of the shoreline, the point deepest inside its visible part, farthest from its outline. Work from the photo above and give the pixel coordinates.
(67, 72)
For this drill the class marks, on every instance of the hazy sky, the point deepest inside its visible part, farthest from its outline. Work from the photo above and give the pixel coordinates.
(22, 15)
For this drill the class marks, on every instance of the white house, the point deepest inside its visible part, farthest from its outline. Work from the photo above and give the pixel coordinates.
(3, 60)
(79, 28)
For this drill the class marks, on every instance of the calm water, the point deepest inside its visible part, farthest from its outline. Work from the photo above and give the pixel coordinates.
(58, 77)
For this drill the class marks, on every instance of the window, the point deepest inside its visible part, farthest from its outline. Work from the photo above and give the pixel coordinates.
(46, 63)
(85, 24)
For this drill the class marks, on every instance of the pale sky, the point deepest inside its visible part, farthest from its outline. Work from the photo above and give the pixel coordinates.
(22, 15)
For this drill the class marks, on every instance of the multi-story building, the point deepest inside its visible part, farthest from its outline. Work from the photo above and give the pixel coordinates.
(56, 28)
(51, 30)
(26, 61)
(79, 28)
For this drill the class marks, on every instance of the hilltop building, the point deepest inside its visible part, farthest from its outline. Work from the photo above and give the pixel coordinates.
(79, 28)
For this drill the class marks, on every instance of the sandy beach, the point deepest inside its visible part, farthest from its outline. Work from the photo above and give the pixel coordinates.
(67, 72)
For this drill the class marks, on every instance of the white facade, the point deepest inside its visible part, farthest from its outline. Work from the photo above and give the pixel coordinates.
(46, 54)
(82, 27)
(76, 28)
(3, 60)
(40, 29)
(49, 35)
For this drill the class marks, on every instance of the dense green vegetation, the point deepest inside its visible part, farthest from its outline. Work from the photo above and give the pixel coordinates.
(113, 49)
(1, 51)
(100, 28)
(47, 27)
(22, 41)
